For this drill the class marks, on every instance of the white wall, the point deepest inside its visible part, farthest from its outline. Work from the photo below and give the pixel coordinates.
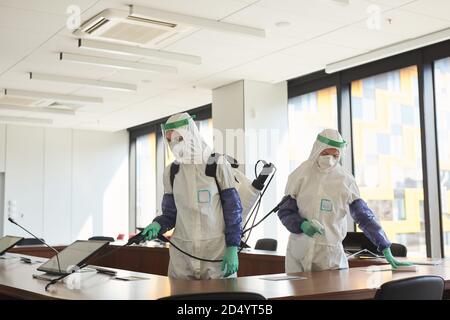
(2, 169)
(57, 185)
(228, 113)
(261, 110)
(266, 114)
(24, 177)
(2, 147)
(100, 184)
(68, 184)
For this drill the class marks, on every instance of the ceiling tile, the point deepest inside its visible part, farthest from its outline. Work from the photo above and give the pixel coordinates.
(433, 8)
(360, 38)
(31, 21)
(408, 24)
(48, 6)
(328, 10)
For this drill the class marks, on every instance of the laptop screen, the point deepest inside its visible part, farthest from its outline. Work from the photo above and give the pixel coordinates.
(8, 242)
(72, 257)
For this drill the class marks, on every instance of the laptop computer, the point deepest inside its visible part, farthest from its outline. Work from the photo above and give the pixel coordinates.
(72, 257)
(7, 242)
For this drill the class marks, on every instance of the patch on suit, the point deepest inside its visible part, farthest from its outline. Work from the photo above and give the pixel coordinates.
(203, 196)
(326, 205)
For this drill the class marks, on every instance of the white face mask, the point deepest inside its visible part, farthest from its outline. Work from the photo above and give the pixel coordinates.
(327, 162)
(179, 150)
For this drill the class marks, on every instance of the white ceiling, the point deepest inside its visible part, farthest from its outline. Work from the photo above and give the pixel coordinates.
(320, 32)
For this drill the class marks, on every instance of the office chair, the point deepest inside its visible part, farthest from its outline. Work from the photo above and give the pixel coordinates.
(416, 288)
(101, 238)
(217, 296)
(266, 244)
(29, 242)
(398, 250)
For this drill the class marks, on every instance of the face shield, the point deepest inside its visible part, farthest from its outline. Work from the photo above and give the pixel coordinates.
(328, 149)
(183, 140)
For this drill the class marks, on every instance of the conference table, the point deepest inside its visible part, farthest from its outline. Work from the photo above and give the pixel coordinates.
(358, 282)
(153, 257)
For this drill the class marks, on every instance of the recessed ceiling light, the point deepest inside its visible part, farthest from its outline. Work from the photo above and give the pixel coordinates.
(37, 110)
(82, 81)
(51, 95)
(115, 63)
(104, 46)
(342, 2)
(25, 120)
(389, 51)
(283, 24)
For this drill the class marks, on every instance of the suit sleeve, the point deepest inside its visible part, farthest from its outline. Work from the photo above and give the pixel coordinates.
(231, 204)
(366, 221)
(168, 217)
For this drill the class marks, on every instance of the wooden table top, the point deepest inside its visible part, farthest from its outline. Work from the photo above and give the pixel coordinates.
(356, 283)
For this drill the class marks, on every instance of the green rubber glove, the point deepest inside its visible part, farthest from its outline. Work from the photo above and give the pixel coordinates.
(394, 262)
(309, 229)
(230, 262)
(151, 231)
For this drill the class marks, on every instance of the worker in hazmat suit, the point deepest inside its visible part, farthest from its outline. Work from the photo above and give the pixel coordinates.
(205, 211)
(321, 193)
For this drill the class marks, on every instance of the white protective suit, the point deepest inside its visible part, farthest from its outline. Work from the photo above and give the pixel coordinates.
(200, 225)
(323, 195)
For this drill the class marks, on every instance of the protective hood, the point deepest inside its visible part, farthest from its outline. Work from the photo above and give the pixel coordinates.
(328, 138)
(191, 148)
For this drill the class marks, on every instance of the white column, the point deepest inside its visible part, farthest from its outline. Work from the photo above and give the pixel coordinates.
(260, 111)
(2, 147)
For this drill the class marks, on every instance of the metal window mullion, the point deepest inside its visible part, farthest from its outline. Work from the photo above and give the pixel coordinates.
(345, 128)
(132, 187)
(432, 203)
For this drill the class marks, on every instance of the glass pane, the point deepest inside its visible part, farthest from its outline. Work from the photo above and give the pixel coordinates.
(145, 179)
(442, 92)
(206, 130)
(387, 154)
(308, 115)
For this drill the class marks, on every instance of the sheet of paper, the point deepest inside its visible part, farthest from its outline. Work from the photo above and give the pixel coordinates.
(283, 277)
(377, 268)
(130, 278)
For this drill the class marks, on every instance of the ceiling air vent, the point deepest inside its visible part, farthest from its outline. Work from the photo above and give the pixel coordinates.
(119, 26)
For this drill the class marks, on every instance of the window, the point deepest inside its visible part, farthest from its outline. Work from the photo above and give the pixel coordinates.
(145, 179)
(387, 153)
(442, 99)
(308, 115)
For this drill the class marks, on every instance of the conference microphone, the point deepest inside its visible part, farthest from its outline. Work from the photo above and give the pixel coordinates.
(40, 240)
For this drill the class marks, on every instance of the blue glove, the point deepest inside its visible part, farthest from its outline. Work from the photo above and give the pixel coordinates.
(151, 231)
(230, 262)
(394, 262)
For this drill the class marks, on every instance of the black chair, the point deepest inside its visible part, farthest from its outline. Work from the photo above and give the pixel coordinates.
(398, 250)
(29, 242)
(266, 244)
(217, 296)
(416, 288)
(101, 238)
